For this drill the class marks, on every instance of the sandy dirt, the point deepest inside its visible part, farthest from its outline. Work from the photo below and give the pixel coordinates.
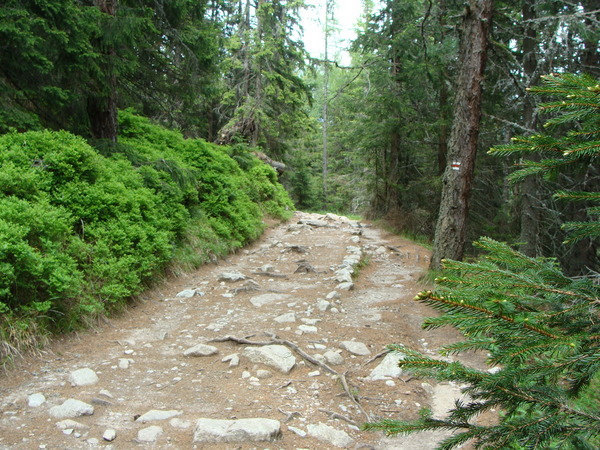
(140, 363)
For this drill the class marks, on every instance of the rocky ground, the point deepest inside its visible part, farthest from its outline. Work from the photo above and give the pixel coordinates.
(277, 347)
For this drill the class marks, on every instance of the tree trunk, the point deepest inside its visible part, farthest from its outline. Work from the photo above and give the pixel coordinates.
(451, 227)
(530, 216)
(102, 108)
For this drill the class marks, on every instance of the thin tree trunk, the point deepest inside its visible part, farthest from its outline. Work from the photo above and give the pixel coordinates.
(102, 108)
(451, 227)
(328, 6)
(530, 217)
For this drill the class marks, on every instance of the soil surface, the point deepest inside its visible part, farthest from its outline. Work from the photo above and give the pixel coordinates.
(290, 296)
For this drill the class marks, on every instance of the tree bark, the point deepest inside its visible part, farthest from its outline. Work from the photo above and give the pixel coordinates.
(451, 227)
(102, 107)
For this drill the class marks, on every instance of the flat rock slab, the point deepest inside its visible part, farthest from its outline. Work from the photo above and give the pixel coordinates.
(71, 408)
(328, 434)
(201, 350)
(388, 368)
(155, 414)
(265, 299)
(356, 348)
(276, 356)
(214, 431)
(83, 377)
(150, 434)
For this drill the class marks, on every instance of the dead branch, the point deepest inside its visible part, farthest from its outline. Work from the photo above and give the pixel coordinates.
(277, 341)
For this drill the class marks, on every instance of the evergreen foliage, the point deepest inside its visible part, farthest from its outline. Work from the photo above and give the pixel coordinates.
(538, 326)
(81, 233)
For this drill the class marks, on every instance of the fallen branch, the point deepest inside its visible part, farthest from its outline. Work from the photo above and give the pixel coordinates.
(378, 355)
(334, 415)
(277, 341)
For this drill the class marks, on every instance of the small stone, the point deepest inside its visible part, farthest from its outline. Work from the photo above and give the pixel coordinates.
(328, 434)
(265, 299)
(68, 423)
(186, 293)
(246, 375)
(201, 350)
(323, 305)
(390, 383)
(332, 295)
(124, 363)
(286, 318)
(333, 358)
(345, 286)
(71, 408)
(308, 329)
(232, 276)
(150, 434)
(356, 348)
(155, 414)
(233, 359)
(35, 400)
(278, 357)
(263, 374)
(388, 368)
(315, 373)
(94, 441)
(297, 431)
(215, 431)
(109, 435)
(83, 377)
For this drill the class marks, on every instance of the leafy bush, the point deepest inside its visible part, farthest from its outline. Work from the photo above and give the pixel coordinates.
(82, 230)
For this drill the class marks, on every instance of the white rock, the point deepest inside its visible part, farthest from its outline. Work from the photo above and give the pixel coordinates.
(323, 305)
(332, 295)
(201, 350)
(232, 276)
(233, 359)
(71, 408)
(278, 357)
(109, 435)
(343, 276)
(263, 374)
(124, 363)
(83, 377)
(315, 373)
(68, 423)
(286, 318)
(356, 348)
(388, 368)
(297, 431)
(265, 299)
(345, 286)
(214, 431)
(328, 434)
(187, 293)
(333, 358)
(308, 329)
(35, 400)
(156, 414)
(149, 434)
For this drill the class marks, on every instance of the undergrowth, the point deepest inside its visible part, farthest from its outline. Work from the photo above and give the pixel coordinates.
(84, 229)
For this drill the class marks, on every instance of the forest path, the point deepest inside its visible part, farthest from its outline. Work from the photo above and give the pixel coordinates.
(294, 288)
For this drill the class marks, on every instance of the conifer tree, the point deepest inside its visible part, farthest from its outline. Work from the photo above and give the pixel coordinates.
(539, 328)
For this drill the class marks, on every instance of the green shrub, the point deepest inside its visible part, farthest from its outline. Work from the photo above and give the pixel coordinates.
(83, 230)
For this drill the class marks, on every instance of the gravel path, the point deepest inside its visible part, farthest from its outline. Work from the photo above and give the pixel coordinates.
(177, 370)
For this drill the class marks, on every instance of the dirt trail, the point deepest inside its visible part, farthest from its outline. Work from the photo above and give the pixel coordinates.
(290, 290)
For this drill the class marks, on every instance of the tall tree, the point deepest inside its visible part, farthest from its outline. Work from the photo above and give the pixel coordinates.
(451, 228)
(102, 102)
(267, 98)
